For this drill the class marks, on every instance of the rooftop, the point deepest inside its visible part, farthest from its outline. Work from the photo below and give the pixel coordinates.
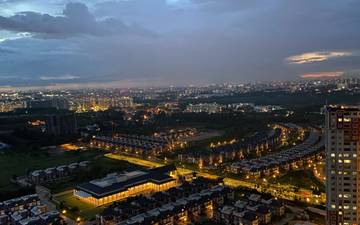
(114, 183)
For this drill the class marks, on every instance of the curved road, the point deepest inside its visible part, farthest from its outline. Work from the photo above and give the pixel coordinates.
(278, 190)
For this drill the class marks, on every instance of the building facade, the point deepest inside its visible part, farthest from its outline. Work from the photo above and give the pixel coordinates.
(214, 156)
(188, 203)
(115, 187)
(342, 144)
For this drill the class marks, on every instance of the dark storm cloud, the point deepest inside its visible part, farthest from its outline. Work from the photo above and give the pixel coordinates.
(76, 20)
(6, 51)
(197, 41)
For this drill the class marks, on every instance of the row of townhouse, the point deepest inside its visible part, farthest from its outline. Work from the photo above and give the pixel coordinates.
(177, 134)
(53, 173)
(253, 209)
(257, 144)
(162, 206)
(290, 128)
(293, 158)
(26, 210)
(140, 145)
(183, 210)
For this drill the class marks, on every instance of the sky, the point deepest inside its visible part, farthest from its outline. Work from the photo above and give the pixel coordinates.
(129, 43)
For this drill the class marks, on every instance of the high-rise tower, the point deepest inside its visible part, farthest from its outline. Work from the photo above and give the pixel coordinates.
(342, 132)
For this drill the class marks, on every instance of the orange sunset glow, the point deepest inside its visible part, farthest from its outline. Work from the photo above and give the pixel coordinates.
(323, 75)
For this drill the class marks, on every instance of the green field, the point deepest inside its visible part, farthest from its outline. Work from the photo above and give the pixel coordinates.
(18, 164)
(76, 208)
(301, 179)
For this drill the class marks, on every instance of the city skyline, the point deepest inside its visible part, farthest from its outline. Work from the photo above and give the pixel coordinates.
(226, 154)
(179, 42)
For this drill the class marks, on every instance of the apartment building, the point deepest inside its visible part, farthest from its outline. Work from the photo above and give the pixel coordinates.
(342, 129)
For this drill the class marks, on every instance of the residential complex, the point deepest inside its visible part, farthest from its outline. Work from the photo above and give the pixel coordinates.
(257, 158)
(49, 102)
(26, 210)
(234, 150)
(342, 130)
(195, 201)
(143, 145)
(181, 205)
(55, 173)
(135, 144)
(204, 108)
(293, 158)
(9, 106)
(251, 209)
(177, 134)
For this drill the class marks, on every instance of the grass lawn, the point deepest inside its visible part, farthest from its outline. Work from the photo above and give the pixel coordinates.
(83, 209)
(17, 164)
(98, 168)
(301, 179)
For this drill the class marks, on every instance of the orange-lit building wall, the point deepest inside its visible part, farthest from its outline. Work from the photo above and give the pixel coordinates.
(145, 188)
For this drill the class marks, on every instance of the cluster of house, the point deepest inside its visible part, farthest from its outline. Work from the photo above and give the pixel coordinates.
(257, 143)
(54, 173)
(209, 108)
(298, 156)
(289, 128)
(177, 134)
(26, 210)
(140, 145)
(181, 205)
(253, 209)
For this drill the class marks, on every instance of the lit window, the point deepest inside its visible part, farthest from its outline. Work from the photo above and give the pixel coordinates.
(332, 154)
(347, 161)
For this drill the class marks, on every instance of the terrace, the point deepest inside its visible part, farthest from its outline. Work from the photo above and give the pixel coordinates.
(290, 158)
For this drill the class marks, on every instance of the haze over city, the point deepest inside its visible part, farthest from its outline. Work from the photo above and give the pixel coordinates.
(175, 42)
